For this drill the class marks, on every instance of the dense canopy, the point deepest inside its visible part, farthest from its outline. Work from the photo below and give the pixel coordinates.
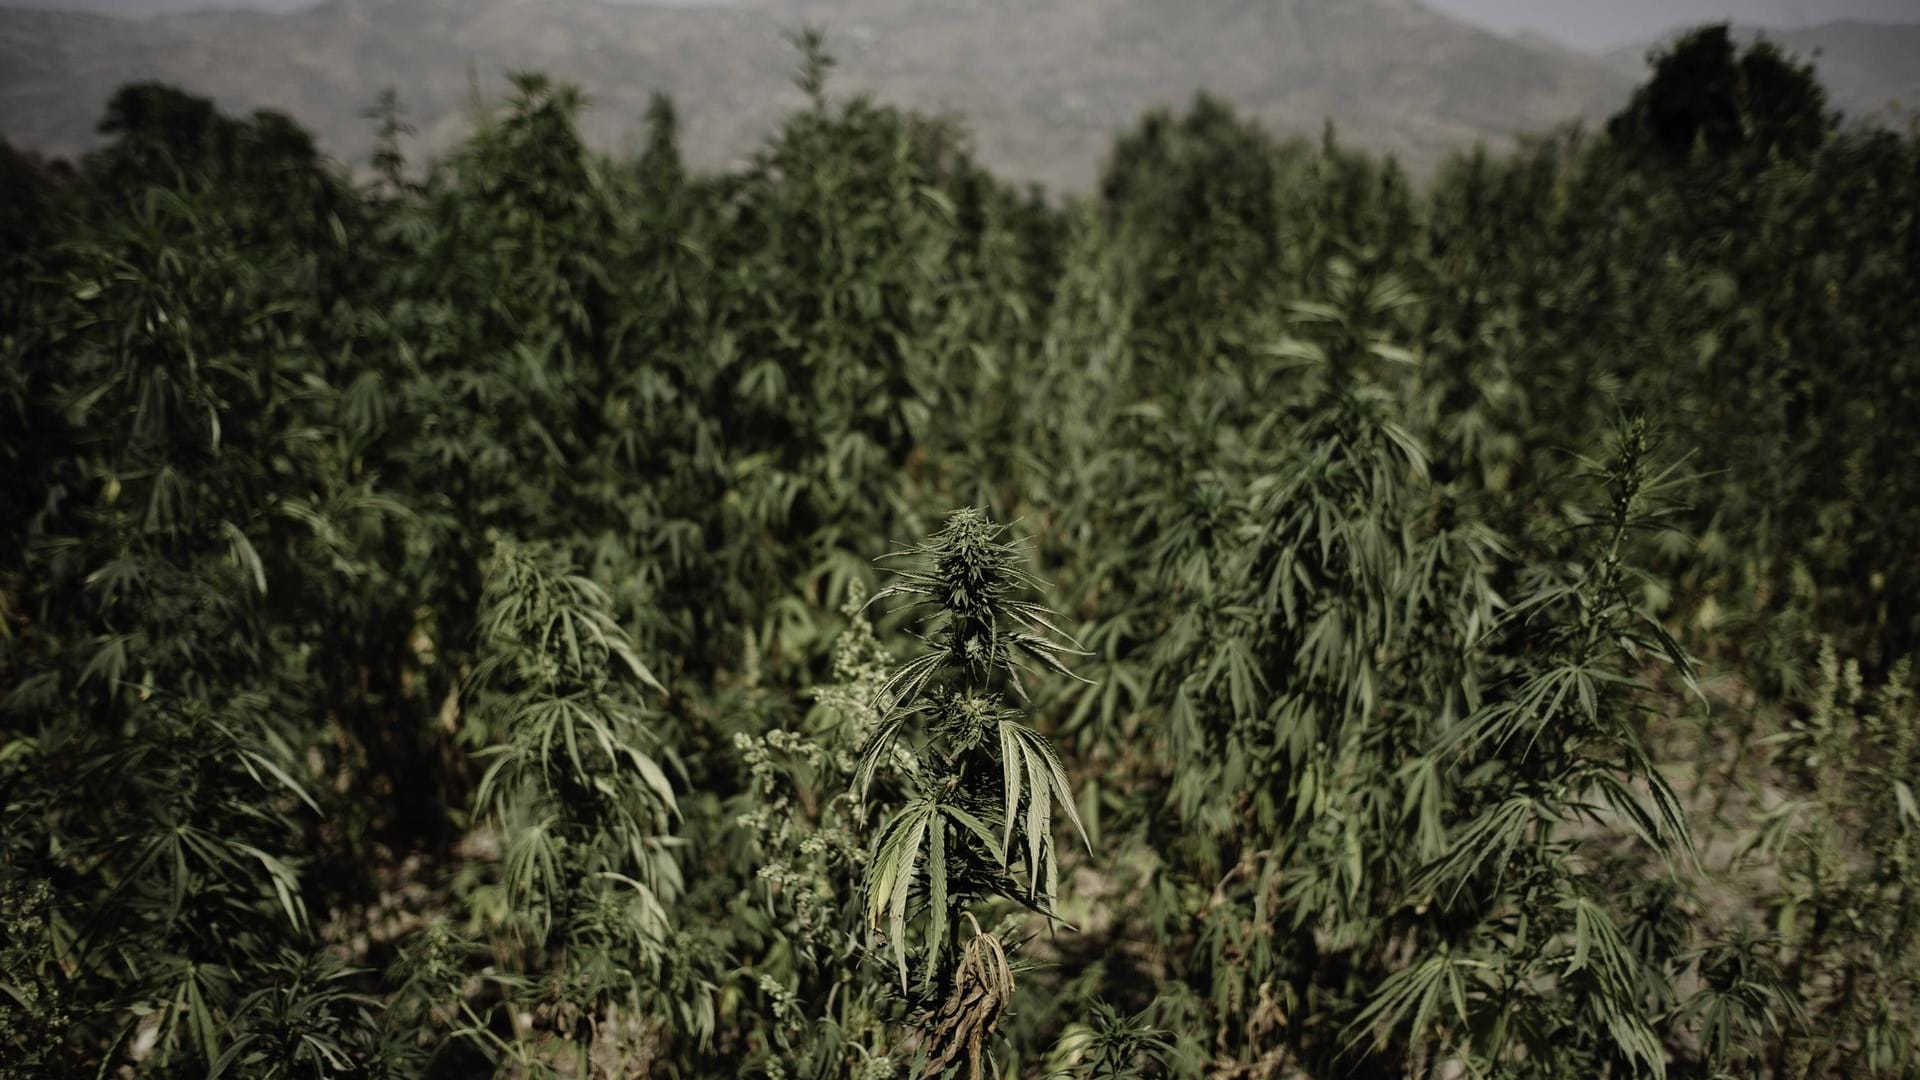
(544, 614)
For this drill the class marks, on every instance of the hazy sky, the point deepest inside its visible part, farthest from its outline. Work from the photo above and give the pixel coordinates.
(1604, 24)
(1583, 24)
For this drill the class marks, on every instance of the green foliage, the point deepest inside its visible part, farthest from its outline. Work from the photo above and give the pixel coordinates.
(1555, 744)
(1842, 841)
(568, 779)
(434, 635)
(1707, 94)
(976, 763)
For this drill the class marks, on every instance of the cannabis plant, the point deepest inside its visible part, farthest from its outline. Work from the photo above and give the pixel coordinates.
(1845, 844)
(1556, 744)
(827, 1011)
(954, 741)
(581, 808)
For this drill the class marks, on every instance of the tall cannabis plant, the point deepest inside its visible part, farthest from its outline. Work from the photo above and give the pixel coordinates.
(581, 806)
(1555, 752)
(976, 763)
(156, 670)
(1843, 847)
(1319, 606)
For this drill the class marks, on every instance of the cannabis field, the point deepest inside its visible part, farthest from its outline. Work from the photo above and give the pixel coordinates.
(538, 613)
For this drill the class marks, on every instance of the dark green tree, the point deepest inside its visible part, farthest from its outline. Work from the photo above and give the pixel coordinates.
(1708, 93)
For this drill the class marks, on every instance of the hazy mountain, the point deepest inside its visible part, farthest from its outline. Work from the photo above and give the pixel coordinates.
(1871, 70)
(141, 8)
(1044, 83)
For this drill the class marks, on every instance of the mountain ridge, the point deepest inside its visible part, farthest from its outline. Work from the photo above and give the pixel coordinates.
(1043, 85)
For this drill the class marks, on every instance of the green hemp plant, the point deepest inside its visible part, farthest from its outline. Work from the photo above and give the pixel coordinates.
(970, 764)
